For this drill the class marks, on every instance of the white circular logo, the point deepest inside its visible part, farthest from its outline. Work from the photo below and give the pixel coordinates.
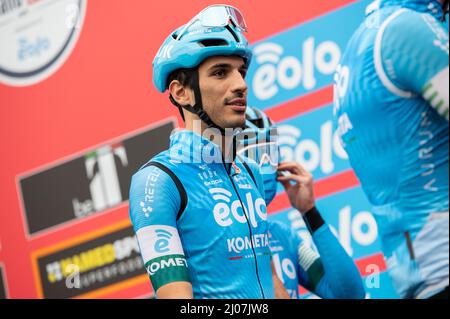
(36, 37)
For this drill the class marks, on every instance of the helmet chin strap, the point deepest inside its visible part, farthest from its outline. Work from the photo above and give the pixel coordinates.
(197, 108)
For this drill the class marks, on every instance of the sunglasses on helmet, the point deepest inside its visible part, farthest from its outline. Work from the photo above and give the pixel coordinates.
(218, 15)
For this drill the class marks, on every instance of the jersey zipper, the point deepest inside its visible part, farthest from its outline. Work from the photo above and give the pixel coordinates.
(249, 228)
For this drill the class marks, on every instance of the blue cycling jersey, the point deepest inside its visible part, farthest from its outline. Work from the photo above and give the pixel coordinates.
(332, 274)
(393, 124)
(202, 221)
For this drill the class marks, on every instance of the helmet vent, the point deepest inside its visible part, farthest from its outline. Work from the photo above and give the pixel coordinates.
(213, 43)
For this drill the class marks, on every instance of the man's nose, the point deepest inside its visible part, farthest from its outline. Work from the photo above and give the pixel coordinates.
(239, 84)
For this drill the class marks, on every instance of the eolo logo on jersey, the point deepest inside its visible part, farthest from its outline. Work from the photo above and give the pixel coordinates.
(226, 212)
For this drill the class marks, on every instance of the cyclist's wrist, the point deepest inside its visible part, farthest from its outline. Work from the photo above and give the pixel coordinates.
(313, 219)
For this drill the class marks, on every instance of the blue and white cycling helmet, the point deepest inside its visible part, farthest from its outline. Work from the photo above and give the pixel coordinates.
(216, 31)
(259, 143)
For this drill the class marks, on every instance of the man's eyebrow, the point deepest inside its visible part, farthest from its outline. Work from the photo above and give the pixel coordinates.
(226, 66)
(220, 66)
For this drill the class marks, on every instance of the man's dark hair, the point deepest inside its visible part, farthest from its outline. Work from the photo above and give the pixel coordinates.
(445, 7)
(186, 78)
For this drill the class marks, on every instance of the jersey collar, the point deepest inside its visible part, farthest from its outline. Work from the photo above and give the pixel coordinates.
(189, 146)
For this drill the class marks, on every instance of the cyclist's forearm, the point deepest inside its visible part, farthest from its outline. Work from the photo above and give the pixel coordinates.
(341, 278)
(175, 290)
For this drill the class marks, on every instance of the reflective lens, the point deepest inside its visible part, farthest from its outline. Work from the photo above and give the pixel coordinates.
(217, 16)
(239, 20)
(220, 16)
(260, 146)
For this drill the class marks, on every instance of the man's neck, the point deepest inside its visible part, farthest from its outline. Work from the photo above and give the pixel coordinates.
(224, 142)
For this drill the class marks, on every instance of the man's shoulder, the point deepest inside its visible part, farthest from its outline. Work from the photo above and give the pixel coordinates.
(386, 22)
(278, 228)
(154, 164)
(405, 27)
(281, 234)
(162, 158)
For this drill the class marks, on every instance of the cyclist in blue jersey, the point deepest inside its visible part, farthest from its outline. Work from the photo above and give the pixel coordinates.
(330, 273)
(199, 219)
(391, 111)
(198, 209)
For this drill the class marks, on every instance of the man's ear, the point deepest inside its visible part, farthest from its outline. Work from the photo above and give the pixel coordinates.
(181, 94)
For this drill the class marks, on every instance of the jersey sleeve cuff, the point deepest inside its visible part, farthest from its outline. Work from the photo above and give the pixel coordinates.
(313, 220)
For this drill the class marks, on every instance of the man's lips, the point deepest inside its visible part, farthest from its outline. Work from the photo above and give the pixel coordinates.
(239, 105)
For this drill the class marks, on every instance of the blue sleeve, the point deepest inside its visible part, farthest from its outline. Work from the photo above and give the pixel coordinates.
(414, 49)
(154, 198)
(154, 205)
(341, 278)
